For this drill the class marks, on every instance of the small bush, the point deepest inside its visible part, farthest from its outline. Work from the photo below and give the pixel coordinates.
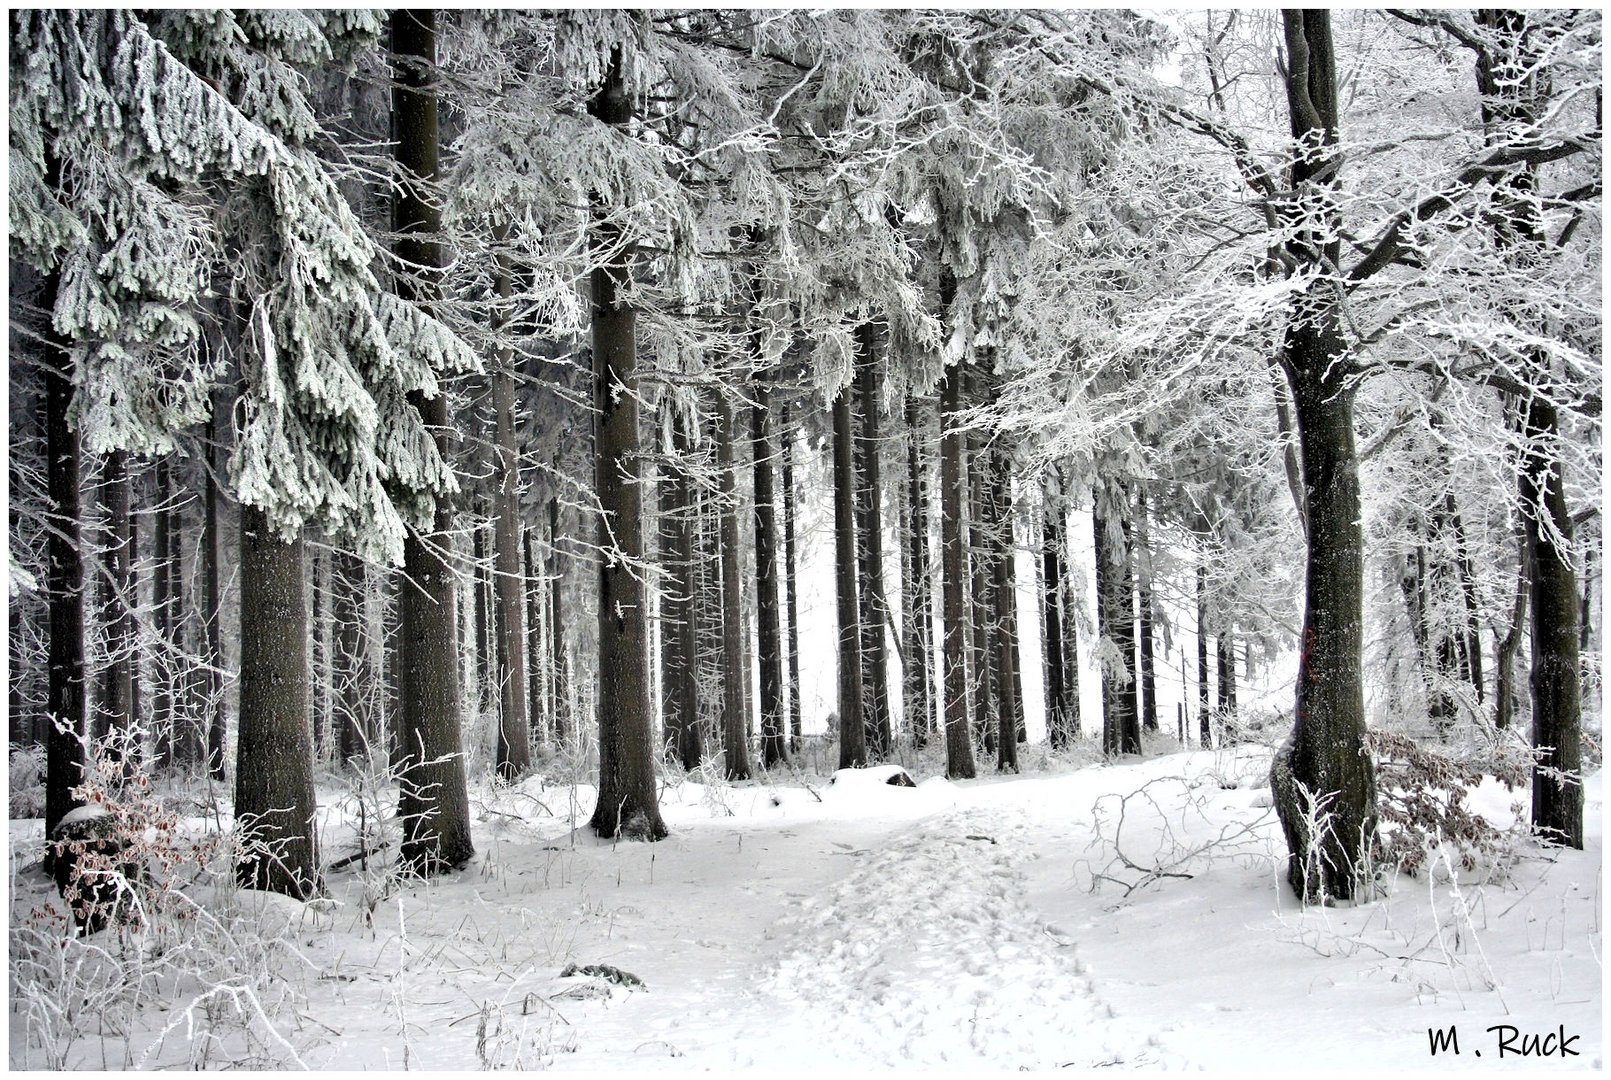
(1422, 800)
(27, 782)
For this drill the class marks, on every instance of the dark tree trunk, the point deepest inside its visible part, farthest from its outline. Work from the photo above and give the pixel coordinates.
(626, 799)
(1506, 648)
(870, 548)
(163, 610)
(322, 673)
(1557, 701)
(274, 799)
(559, 671)
(212, 599)
(1121, 728)
(953, 567)
(917, 679)
(735, 658)
(769, 632)
(434, 804)
(983, 622)
(348, 669)
(482, 641)
(64, 583)
(1053, 597)
(1204, 717)
(509, 601)
(683, 676)
(117, 613)
(852, 732)
(1325, 757)
(1004, 593)
(1149, 676)
(1508, 81)
(796, 734)
(1225, 658)
(541, 710)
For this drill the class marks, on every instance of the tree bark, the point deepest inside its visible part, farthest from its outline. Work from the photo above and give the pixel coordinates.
(509, 584)
(348, 670)
(559, 672)
(769, 631)
(958, 738)
(117, 613)
(1507, 647)
(274, 798)
(1121, 727)
(434, 804)
(64, 583)
(870, 547)
(164, 717)
(735, 658)
(1322, 779)
(983, 623)
(626, 800)
(852, 731)
(1204, 717)
(918, 657)
(1149, 676)
(212, 587)
(796, 734)
(1004, 593)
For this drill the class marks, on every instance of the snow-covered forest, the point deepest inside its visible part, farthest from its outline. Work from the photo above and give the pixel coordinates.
(852, 538)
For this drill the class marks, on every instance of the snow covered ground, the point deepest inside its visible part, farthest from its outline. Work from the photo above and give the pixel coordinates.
(984, 925)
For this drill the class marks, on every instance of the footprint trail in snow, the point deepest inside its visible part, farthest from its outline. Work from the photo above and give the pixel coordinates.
(926, 955)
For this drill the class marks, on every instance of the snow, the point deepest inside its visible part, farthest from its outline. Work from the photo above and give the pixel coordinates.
(854, 925)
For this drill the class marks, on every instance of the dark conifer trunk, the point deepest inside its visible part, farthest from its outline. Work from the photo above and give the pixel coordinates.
(117, 612)
(541, 710)
(1053, 597)
(212, 599)
(626, 798)
(735, 658)
(348, 669)
(1004, 595)
(64, 581)
(683, 686)
(982, 579)
(1506, 648)
(559, 671)
(852, 731)
(1149, 676)
(953, 566)
(1121, 728)
(1204, 717)
(769, 631)
(919, 655)
(434, 803)
(163, 608)
(274, 799)
(509, 584)
(1225, 657)
(796, 734)
(870, 548)
(482, 641)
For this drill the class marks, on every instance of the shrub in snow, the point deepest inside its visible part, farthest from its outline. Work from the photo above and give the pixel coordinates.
(1424, 803)
(27, 781)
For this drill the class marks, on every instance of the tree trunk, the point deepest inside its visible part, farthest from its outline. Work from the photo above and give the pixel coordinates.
(769, 632)
(482, 640)
(1004, 593)
(212, 599)
(1121, 727)
(1323, 781)
(64, 584)
(163, 611)
(1149, 677)
(1507, 79)
(852, 732)
(1507, 647)
(915, 668)
(796, 734)
(348, 669)
(1557, 701)
(953, 563)
(434, 804)
(1204, 717)
(870, 548)
(735, 659)
(117, 613)
(509, 601)
(541, 711)
(559, 660)
(626, 799)
(274, 799)
(983, 622)
(1225, 658)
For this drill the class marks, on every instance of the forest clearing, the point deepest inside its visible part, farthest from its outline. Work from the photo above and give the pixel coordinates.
(934, 538)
